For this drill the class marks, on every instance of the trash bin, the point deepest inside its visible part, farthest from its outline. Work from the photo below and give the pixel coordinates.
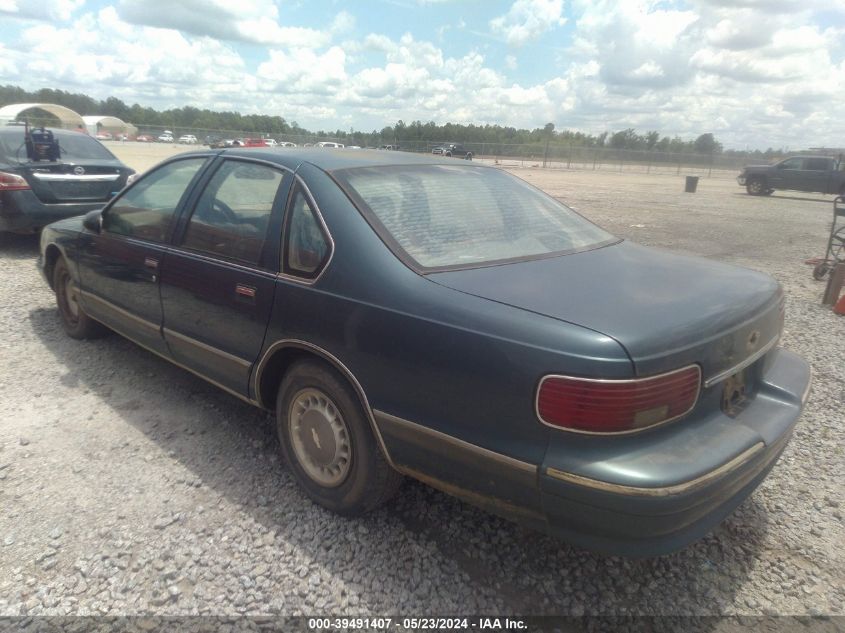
(692, 183)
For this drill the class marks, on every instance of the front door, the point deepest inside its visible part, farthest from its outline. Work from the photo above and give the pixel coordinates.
(120, 266)
(218, 281)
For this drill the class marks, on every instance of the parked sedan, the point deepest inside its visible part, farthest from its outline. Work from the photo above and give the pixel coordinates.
(34, 193)
(412, 315)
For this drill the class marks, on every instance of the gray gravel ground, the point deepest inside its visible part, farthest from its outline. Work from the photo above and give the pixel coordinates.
(129, 486)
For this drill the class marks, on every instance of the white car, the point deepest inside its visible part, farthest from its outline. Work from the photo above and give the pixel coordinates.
(329, 144)
(166, 137)
(270, 142)
(286, 144)
(188, 139)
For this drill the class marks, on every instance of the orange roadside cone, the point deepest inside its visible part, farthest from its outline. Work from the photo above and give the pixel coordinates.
(839, 308)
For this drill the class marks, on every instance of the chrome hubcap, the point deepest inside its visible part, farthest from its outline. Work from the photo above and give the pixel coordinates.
(71, 298)
(320, 437)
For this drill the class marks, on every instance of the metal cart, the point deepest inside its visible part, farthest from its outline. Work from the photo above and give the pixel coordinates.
(835, 253)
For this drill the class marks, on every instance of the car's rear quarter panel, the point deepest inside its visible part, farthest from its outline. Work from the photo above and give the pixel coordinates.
(460, 365)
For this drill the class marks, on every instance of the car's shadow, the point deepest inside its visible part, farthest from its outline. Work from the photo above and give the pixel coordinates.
(15, 246)
(521, 570)
(783, 197)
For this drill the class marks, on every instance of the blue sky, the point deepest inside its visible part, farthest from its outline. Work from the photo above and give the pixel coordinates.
(753, 72)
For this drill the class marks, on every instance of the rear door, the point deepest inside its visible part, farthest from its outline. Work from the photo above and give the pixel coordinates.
(119, 266)
(218, 281)
(817, 173)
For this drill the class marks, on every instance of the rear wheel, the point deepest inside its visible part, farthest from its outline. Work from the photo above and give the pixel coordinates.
(756, 187)
(468, 156)
(328, 443)
(76, 323)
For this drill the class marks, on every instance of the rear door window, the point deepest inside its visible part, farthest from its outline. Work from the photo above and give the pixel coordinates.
(817, 164)
(233, 212)
(307, 245)
(146, 210)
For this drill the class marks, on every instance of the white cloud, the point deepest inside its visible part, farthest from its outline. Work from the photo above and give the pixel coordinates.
(246, 20)
(46, 10)
(304, 72)
(527, 20)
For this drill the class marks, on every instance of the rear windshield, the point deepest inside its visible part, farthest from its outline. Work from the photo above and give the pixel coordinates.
(73, 146)
(444, 216)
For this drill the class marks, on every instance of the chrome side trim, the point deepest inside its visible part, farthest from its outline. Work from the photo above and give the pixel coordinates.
(666, 491)
(53, 177)
(615, 381)
(208, 348)
(195, 373)
(171, 360)
(124, 313)
(742, 364)
(334, 360)
(294, 278)
(504, 460)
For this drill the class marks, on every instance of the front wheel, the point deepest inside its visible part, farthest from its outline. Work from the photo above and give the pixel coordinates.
(327, 441)
(756, 187)
(468, 156)
(75, 322)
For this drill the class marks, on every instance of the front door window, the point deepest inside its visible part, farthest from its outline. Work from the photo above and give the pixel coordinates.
(146, 210)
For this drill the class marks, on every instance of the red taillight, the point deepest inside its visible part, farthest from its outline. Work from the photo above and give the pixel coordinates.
(12, 182)
(617, 406)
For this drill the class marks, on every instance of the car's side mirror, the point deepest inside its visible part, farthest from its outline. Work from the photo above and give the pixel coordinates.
(93, 220)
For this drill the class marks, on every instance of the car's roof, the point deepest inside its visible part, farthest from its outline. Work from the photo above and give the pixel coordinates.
(335, 159)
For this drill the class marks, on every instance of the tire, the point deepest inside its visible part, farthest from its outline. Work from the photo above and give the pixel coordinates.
(820, 271)
(327, 441)
(75, 322)
(468, 156)
(449, 154)
(756, 186)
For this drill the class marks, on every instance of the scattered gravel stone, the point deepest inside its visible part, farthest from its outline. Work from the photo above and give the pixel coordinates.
(165, 521)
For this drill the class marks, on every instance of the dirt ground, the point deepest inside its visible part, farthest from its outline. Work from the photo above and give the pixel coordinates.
(130, 486)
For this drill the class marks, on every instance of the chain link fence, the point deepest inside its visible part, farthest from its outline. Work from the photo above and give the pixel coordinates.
(550, 156)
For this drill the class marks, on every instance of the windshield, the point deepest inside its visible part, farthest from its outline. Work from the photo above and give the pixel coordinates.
(73, 146)
(444, 216)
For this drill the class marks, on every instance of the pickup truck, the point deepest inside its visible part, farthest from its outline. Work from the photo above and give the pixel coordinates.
(821, 174)
(453, 149)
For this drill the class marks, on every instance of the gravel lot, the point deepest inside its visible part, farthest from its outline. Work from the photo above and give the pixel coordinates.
(129, 486)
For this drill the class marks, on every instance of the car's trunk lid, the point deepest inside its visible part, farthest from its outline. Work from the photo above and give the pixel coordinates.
(78, 181)
(667, 310)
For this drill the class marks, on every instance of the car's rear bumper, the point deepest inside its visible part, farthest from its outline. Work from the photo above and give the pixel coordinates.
(23, 211)
(644, 494)
(655, 492)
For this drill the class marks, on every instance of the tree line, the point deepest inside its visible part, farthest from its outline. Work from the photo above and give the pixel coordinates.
(401, 132)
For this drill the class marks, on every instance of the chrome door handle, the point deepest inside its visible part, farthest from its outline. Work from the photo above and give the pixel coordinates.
(247, 292)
